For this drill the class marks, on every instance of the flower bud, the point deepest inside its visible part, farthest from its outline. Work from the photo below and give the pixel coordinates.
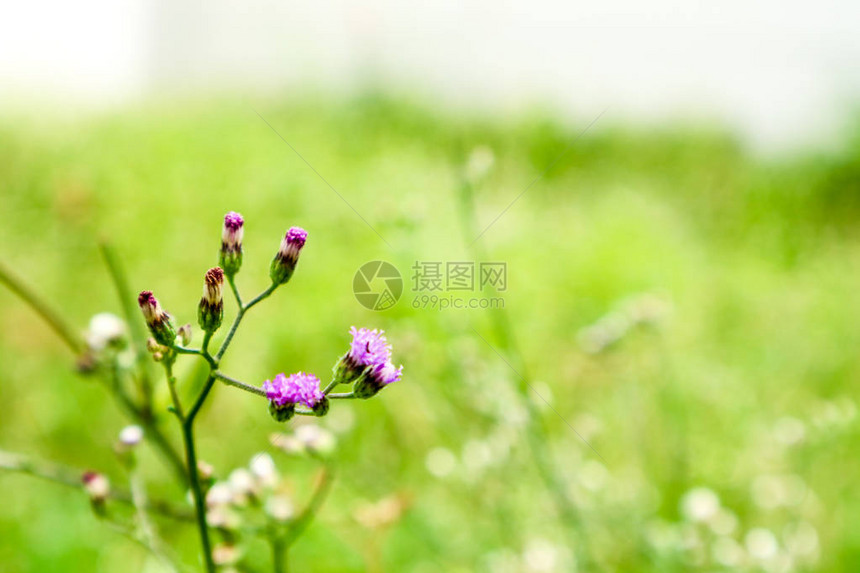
(211, 309)
(284, 263)
(157, 320)
(184, 334)
(97, 486)
(131, 436)
(231, 243)
(321, 407)
(282, 413)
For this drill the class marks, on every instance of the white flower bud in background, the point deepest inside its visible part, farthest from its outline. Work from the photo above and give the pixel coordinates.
(287, 444)
(242, 485)
(184, 333)
(104, 329)
(97, 486)
(130, 436)
(219, 494)
(223, 554)
(700, 504)
(279, 507)
(263, 468)
(205, 470)
(316, 439)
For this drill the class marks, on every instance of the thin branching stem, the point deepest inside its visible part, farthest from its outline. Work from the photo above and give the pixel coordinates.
(239, 315)
(343, 396)
(239, 384)
(67, 333)
(71, 477)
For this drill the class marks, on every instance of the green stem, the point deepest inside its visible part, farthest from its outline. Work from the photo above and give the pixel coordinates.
(307, 515)
(239, 384)
(137, 332)
(150, 426)
(57, 323)
(239, 316)
(232, 282)
(71, 477)
(331, 386)
(343, 396)
(213, 362)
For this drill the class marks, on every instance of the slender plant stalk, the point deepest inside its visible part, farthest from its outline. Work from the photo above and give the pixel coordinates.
(71, 477)
(538, 437)
(239, 384)
(240, 314)
(137, 331)
(68, 334)
(304, 519)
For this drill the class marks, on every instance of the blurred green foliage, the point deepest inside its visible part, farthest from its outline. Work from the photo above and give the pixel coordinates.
(756, 257)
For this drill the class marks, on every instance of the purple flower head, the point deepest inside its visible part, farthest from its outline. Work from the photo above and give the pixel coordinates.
(231, 234)
(285, 261)
(368, 347)
(156, 318)
(299, 388)
(368, 362)
(292, 244)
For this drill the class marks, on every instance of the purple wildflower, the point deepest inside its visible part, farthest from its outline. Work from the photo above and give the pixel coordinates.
(156, 318)
(285, 261)
(210, 311)
(368, 363)
(231, 243)
(299, 388)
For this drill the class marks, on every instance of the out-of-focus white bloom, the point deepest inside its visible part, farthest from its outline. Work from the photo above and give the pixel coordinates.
(263, 467)
(316, 439)
(219, 494)
(131, 436)
(242, 485)
(724, 522)
(287, 443)
(801, 539)
(593, 475)
(104, 328)
(382, 513)
(223, 554)
(728, 552)
(440, 462)
(540, 555)
(96, 485)
(700, 504)
(789, 431)
(479, 164)
(761, 543)
(279, 507)
(223, 517)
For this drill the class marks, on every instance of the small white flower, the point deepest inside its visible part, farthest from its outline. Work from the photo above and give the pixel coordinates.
(700, 504)
(104, 328)
(440, 462)
(279, 507)
(316, 439)
(219, 494)
(263, 467)
(131, 435)
(761, 543)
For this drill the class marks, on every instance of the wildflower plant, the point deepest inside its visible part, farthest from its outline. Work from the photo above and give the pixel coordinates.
(252, 500)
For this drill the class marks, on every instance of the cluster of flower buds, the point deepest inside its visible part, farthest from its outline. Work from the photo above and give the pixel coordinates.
(258, 485)
(367, 364)
(210, 312)
(285, 392)
(284, 263)
(158, 321)
(231, 243)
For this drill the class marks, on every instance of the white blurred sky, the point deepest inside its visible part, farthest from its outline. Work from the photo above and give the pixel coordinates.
(783, 72)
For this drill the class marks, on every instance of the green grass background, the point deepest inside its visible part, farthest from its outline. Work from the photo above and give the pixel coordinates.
(757, 256)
